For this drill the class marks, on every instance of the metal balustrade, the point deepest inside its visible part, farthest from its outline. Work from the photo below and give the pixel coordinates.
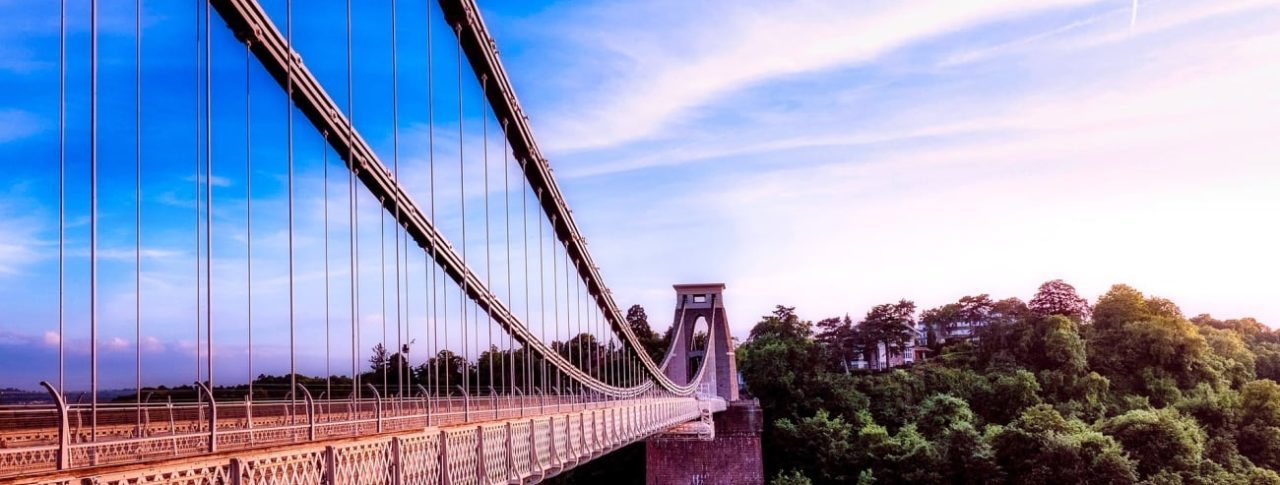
(576, 429)
(511, 451)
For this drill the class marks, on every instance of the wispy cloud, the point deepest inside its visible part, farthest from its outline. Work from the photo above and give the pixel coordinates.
(670, 69)
(1064, 147)
(18, 124)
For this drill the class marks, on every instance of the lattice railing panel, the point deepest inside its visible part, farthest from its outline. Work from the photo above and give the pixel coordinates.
(560, 437)
(542, 451)
(590, 432)
(420, 459)
(521, 448)
(294, 467)
(576, 444)
(29, 459)
(129, 451)
(495, 449)
(363, 463)
(606, 434)
(201, 473)
(462, 457)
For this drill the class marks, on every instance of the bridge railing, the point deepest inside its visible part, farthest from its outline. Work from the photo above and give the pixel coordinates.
(514, 451)
(128, 433)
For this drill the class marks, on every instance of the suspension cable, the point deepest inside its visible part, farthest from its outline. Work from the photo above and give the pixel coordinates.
(208, 195)
(137, 214)
(431, 168)
(199, 4)
(506, 208)
(248, 209)
(382, 294)
(293, 368)
(542, 301)
(462, 197)
(555, 298)
(488, 246)
(395, 160)
(570, 328)
(353, 223)
(328, 372)
(62, 193)
(524, 223)
(93, 216)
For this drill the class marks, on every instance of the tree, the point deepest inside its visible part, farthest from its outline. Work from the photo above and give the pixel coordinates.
(1005, 324)
(970, 311)
(379, 360)
(837, 335)
(1056, 297)
(1171, 400)
(940, 322)
(781, 373)
(1259, 437)
(1159, 440)
(1054, 344)
(1155, 358)
(1008, 395)
(830, 445)
(794, 477)
(891, 324)
(782, 323)
(444, 372)
(638, 320)
(941, 411)
(1042, 447)
(966, 455)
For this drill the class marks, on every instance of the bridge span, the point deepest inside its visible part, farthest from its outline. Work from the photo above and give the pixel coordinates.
(504, 450)
(501, 357)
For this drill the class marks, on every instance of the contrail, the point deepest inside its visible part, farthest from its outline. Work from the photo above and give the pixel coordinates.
(1133, 17)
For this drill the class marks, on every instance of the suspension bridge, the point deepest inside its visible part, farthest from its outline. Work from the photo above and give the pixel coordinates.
(497, 353)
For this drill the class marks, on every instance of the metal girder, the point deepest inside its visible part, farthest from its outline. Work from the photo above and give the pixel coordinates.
(251, 23)
(482, 52)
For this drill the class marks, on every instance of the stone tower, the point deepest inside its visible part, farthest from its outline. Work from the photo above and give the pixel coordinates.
(705, 301)
(732, 456)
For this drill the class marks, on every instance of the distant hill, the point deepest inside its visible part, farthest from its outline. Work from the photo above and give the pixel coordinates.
(11, 395)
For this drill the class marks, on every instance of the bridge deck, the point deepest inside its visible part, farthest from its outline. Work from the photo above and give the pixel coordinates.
(514, 450)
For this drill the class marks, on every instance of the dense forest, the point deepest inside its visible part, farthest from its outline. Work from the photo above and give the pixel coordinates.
(1056, 390)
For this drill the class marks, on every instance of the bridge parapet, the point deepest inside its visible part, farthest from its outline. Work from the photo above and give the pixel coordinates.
(515, 450)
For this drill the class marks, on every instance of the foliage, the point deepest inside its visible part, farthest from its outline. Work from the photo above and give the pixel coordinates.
(782, 324)
(639, 323)
(1158, 440)
(790, 478)
(1054, 391)
(1059, 298)
(829, 441)
(1041, 446)
(891, 324)
(840, 338)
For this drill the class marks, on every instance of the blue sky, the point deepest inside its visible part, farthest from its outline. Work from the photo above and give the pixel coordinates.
(828, 155)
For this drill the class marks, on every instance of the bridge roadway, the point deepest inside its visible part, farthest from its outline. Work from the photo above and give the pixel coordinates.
(475, 442)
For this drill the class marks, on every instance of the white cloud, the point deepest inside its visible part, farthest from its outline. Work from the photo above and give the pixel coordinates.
(216, 180)
(671, 69)
(117, 344)
(1148, 162)
(17, 124)
(19, 241)
(152, 345)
